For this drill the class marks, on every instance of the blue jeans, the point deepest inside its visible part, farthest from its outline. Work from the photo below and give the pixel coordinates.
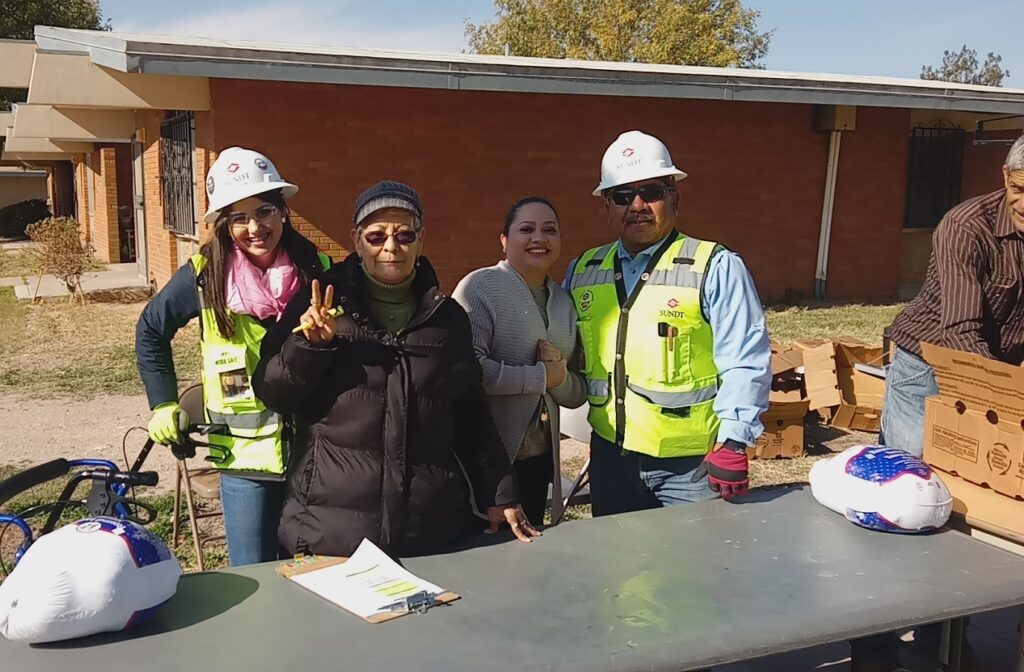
(252, 511)
(907, 383)
(632, 481)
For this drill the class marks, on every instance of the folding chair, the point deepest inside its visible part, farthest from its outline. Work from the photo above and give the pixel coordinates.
(204, 482)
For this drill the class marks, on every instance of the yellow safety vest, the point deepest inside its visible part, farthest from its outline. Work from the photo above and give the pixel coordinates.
(257, 445)
(649, 357)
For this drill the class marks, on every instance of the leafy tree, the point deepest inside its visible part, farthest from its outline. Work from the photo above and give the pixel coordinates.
(18, 20)
(686, 32)
(962, 67)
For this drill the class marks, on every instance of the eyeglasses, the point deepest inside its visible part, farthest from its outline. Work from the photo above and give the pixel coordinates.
(649, 193)
(378, 238)
(260, 214)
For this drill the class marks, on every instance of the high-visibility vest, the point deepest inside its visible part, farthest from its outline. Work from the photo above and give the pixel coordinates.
(649, 356)
(257, 444)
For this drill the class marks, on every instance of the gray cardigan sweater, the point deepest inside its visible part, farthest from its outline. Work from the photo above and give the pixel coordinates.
(506, 328)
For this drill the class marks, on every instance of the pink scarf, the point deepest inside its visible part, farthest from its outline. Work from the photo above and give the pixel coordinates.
(257, 293)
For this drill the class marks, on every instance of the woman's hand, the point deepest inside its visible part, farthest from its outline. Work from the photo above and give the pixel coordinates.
(554, 363)
(516, 519)
(317, 323)
(547, 352)
(556, 373)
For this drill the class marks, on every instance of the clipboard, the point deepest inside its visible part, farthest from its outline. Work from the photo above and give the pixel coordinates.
(308, 564)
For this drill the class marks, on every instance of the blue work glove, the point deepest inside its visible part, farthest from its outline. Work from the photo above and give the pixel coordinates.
(169, 420)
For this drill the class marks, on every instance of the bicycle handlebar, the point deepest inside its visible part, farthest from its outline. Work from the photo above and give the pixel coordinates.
(33, 476)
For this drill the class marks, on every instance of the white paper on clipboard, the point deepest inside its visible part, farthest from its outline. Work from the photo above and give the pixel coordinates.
(366, 584)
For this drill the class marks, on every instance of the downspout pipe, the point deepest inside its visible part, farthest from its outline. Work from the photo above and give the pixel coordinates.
(825, 234)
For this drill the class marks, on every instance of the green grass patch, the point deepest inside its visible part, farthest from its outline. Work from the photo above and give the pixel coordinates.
(863, 321)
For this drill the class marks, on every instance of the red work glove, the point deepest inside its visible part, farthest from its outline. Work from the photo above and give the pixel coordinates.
(726, 469)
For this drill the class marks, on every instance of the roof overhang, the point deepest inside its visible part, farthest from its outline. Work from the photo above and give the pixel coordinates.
(73, 124)
(16, 145)
(209, 58)
(16, 63)
(73, 80)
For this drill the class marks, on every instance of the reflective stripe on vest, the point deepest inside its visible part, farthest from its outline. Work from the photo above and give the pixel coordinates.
(651, 375)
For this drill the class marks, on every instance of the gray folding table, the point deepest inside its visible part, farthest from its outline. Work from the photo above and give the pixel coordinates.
(670, 589)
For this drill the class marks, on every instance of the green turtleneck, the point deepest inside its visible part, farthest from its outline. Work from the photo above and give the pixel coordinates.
(392, 305)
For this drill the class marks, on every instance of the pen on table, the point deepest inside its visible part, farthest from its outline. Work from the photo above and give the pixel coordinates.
(333, 312)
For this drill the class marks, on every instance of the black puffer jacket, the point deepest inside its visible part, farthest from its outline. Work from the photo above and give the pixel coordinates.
(391, 431)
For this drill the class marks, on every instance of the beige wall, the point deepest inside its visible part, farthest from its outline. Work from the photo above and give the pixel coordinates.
(17, 188)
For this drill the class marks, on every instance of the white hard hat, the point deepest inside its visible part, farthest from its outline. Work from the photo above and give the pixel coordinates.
(238, 174)
(635, 156)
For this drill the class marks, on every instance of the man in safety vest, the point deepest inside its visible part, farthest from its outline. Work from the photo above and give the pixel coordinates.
(675, 346)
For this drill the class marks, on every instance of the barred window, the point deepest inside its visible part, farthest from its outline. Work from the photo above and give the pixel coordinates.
(177, 172)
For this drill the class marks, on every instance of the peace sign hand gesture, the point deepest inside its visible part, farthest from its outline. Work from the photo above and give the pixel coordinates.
(317, 323)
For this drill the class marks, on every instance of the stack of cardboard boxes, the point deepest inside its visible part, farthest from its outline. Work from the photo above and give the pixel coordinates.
(974, 432)
(840, 379)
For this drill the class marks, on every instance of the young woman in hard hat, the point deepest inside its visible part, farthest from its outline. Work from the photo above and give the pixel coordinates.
(251, 265)
(524, 333)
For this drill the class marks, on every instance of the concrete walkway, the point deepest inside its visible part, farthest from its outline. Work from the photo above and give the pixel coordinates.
(119, 281)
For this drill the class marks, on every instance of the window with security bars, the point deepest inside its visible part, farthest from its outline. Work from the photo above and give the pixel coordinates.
(177, 173)
(933, 175)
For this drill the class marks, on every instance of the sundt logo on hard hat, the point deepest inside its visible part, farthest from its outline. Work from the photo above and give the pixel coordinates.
(672, 303)
(586, 298)
(233, 168)
(628, 152)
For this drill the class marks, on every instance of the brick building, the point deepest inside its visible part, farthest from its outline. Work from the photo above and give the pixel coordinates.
(827, 184)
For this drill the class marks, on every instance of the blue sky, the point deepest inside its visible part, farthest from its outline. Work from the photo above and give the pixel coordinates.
(866, 37)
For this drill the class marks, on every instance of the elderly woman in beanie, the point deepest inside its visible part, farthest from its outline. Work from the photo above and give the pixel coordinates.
(394, 438)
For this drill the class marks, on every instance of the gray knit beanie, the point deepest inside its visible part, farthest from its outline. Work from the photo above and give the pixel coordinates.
(388, 194)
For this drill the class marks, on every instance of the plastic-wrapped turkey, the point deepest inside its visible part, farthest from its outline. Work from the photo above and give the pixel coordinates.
(96, 575)
(882, 489)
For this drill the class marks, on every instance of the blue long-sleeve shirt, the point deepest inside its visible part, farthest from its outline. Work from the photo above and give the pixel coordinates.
(740, 338)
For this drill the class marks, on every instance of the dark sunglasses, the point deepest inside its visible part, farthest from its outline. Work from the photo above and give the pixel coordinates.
(378, 238)
(649, 193)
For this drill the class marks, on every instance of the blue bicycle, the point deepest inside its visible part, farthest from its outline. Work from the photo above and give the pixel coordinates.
(111, 493)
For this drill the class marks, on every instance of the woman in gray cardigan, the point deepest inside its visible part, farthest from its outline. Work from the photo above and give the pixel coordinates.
(524, 332)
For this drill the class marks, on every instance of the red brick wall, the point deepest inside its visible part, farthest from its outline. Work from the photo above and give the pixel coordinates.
(160, 243)
(104, 230)
(206, 153)
(864, 255)
(81, 173)
(983, 165)
(757, 172)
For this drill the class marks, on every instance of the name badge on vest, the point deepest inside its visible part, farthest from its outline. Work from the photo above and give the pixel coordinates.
(227, 363)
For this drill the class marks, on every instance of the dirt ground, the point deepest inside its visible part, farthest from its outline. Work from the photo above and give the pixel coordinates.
(34, 431)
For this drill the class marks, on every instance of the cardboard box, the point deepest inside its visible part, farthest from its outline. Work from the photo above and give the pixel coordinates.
(974, 427)
(787, 381)
(840, 384)
(986, 509)
(820, 379)
(783, 431)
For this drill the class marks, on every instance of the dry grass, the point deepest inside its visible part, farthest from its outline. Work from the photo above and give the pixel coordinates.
(17, 264)
(866, 322)
(61, 349)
